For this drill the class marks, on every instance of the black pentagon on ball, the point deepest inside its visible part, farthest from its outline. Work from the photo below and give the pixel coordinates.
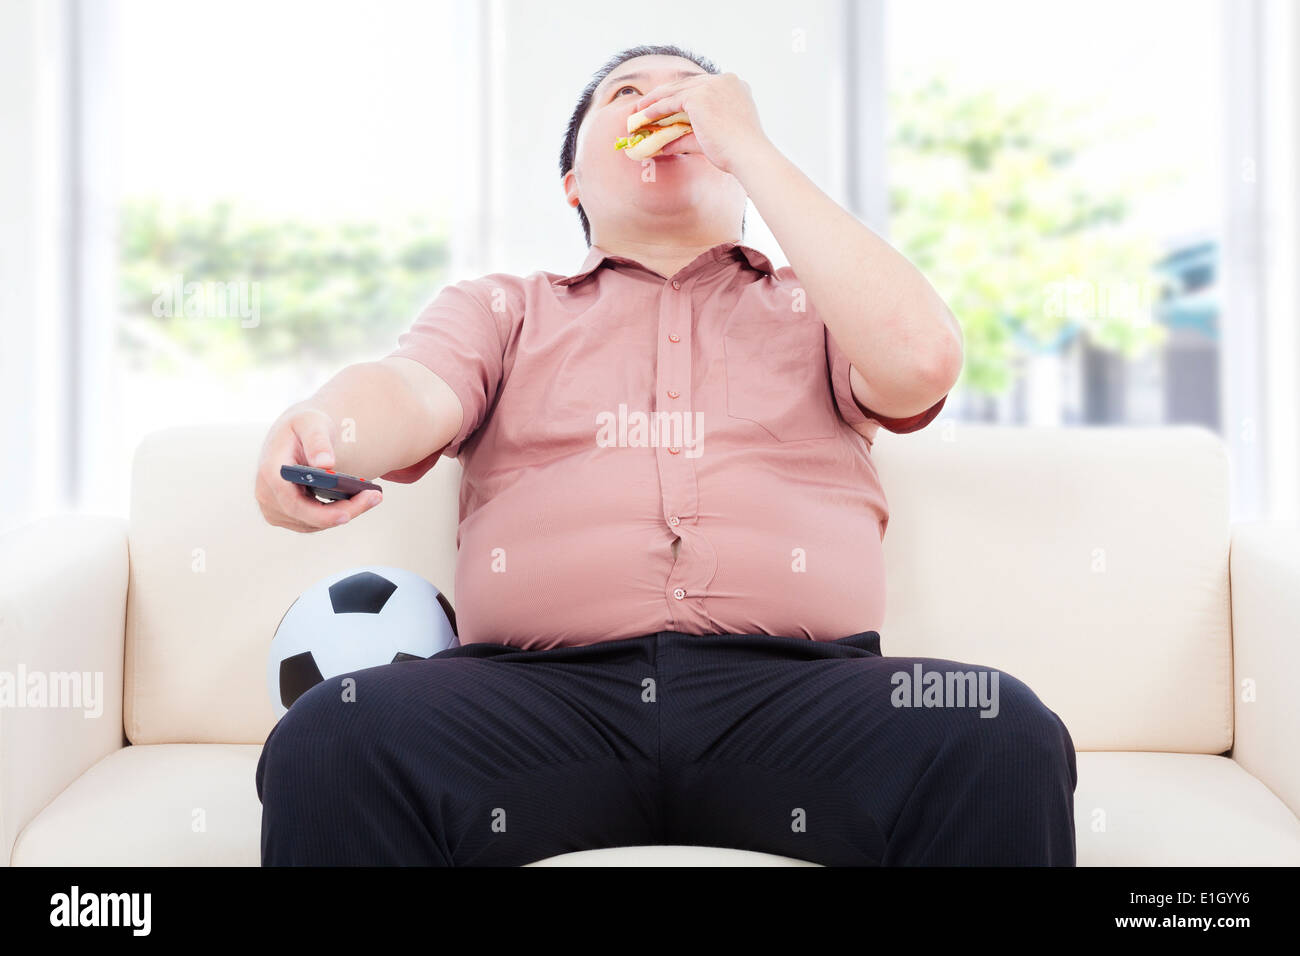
(449, 611)
(362, 593)
(298, 674)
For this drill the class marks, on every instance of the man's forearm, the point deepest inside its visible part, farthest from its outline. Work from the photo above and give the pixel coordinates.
(379, 422)
(893, 326)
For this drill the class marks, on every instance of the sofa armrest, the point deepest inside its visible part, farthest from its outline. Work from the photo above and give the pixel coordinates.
(63, 586)
(1264, 570)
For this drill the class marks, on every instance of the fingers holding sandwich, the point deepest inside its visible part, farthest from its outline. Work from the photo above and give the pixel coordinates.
(720, 111)
(645, 119)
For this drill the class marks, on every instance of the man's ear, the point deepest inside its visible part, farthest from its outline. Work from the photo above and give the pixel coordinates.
(570, 182)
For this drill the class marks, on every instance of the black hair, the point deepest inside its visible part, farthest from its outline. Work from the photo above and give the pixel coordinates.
(580, 110)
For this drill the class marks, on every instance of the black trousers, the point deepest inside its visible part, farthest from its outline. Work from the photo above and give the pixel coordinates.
(488, 755)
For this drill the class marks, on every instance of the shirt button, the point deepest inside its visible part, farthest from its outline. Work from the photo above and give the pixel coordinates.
(674, 337)
(679, 594)
(676, 284)
(674, 520)
(673, 394)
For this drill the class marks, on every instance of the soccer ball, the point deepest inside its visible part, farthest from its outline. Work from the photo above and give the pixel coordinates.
(359, 618)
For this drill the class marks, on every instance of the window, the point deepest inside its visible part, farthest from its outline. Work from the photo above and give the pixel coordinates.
(1056, 171)
(269, 192)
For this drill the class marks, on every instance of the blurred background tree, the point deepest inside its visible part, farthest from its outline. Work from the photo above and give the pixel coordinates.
(328, 292)
(991, 199)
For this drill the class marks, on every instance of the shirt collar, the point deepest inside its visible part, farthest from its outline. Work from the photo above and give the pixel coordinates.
(596, 256)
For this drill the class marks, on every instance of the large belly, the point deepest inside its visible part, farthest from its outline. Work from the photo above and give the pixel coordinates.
(584, 554)
(566, 558)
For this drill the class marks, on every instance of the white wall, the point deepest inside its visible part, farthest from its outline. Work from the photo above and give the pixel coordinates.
(35, 289)
(1260, 358)
(1280, 180)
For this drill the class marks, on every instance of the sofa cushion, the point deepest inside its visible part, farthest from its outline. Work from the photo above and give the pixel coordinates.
(138, 807)
(153, 805)
(1162, 809)
(669, 856)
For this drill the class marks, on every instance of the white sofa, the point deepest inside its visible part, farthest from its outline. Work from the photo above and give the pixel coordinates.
(1096, 564)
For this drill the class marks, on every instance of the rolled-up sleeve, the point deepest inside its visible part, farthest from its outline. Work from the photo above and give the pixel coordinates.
(853, 411)
(460, 336)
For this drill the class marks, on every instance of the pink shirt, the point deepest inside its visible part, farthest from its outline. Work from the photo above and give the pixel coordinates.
(649, 454)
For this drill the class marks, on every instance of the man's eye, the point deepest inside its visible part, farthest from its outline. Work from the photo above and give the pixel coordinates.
(621, 89)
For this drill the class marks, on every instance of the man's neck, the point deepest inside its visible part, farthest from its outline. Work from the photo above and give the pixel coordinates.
(667, 257)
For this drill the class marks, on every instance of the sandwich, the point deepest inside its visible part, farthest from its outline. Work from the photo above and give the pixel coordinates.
(646, 139)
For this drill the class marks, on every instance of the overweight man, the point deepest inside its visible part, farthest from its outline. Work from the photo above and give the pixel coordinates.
(669, 583)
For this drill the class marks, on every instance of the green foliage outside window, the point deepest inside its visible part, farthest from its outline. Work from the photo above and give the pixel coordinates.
(325, 293)
(991, 199)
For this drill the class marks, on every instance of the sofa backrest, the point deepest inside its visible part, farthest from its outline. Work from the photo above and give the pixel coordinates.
(1091, 563)
(210, 579)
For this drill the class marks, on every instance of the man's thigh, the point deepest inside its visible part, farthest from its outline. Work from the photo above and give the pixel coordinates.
(833, 755)
(481, 755)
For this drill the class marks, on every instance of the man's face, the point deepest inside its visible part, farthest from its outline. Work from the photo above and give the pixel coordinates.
(616, 192)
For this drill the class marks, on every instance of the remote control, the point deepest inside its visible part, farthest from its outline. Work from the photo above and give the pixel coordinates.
(325, 483)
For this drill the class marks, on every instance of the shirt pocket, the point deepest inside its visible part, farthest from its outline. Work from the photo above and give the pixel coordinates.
(776, 375)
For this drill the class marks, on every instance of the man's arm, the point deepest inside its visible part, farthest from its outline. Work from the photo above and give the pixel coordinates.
(878, 307)
(901, 338)
(864, 396)
(373, 418)
(388, 415)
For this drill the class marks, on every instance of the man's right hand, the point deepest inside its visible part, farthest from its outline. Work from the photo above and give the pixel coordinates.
(302, 436)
